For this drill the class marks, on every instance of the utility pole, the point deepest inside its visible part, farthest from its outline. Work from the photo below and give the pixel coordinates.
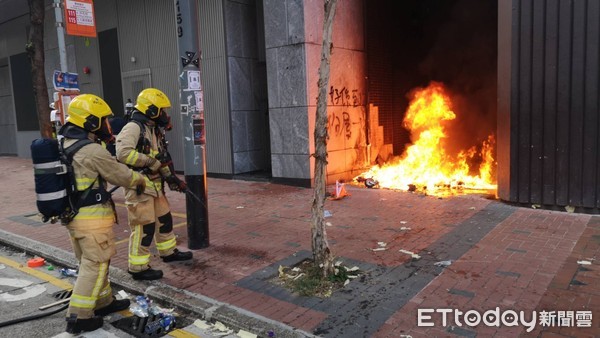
(192, 122)
(60, 32)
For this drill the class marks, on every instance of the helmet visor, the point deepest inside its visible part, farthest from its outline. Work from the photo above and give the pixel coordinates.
(105, 132)
(164, 120)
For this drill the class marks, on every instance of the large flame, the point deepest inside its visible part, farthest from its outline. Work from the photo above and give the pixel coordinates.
(426, 166)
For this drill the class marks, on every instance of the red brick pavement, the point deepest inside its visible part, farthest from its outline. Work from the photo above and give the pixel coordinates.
(527, 262)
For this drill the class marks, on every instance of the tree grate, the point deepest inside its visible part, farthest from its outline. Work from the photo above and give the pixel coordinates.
(136, 326)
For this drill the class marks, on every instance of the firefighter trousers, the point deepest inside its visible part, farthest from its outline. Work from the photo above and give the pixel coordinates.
(93, 249)
(148, 220)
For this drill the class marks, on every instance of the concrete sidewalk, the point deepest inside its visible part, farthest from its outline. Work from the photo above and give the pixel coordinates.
(502, 256)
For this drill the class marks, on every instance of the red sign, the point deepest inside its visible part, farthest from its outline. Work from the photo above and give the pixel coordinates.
(79, 18)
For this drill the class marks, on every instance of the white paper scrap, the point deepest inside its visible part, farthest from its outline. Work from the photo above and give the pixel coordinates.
(412, 254)
(201, 324)
(221, 327)
(246, 334)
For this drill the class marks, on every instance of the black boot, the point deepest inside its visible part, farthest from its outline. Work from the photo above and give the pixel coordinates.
(178, 256)
(116, 305)
(148, 274)
(75, 325)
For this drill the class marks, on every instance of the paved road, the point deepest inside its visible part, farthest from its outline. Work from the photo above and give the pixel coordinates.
(23, 290)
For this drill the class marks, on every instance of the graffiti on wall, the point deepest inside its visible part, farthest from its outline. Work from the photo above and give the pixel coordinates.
(342, 96)
(339, 124)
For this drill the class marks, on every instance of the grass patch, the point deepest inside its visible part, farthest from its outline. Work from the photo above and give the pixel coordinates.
(305, 279)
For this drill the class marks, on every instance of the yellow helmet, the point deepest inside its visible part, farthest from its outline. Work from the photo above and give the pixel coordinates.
(87, 110)
(151, 101)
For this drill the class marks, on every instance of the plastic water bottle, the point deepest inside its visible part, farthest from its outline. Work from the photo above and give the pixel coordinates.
(152, 327)
(167, 321)
(68, 272)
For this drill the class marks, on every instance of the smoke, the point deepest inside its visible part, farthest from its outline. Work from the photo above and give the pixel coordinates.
(463, 56)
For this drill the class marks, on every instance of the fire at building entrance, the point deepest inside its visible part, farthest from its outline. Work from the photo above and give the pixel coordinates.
(432, 82)
(426, 165)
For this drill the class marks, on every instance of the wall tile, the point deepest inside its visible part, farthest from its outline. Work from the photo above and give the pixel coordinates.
(240, 84)
(275, 23)
(290, 166)
(289, 130)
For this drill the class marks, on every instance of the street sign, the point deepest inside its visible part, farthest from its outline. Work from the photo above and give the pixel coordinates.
(79, 18)
(65, 81)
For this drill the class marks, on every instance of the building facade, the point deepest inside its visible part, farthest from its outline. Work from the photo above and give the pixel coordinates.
(526, 71)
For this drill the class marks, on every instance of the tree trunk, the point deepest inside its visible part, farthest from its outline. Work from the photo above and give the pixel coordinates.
(35, 51)
(321, 254)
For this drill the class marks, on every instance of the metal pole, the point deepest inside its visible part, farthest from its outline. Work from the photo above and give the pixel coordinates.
(60, 32)
(192, 121)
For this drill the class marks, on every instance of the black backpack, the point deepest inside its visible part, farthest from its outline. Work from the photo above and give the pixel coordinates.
(57, 197)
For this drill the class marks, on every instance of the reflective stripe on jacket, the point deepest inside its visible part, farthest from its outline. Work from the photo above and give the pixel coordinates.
(127, 152)
(90, 162)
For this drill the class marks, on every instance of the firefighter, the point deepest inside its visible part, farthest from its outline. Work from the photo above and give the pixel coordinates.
(138, 145)
(91, 229)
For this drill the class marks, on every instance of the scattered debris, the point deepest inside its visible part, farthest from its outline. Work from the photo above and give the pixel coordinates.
(68, 272)
(403, 222)
(246, 334)
(535, 206)
(443, 263)
(412, 254)
(123, 294)
(584, 262)
(405, 228)
(306, 278)
(36, 262)
(570, 209)
(327, 213)
(201, 324)
(239, 207)
(2, 266)
(50, 267)
(221, 327)
(368, 182)
(381, 246)
(328, 224)
(472, 208)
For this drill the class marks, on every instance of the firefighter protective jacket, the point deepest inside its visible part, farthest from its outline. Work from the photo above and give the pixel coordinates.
(133, 153)
(90, 162)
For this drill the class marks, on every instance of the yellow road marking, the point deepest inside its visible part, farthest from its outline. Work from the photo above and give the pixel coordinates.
(36, 273)
(179, 333)
(124, 240)
(176, 214)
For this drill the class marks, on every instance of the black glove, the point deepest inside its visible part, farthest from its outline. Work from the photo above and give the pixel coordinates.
(175, 184)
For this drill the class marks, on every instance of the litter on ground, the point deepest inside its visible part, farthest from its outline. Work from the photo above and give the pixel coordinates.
(412, 254)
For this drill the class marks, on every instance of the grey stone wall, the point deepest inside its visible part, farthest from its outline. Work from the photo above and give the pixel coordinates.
(293, 34)
(287, 85)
